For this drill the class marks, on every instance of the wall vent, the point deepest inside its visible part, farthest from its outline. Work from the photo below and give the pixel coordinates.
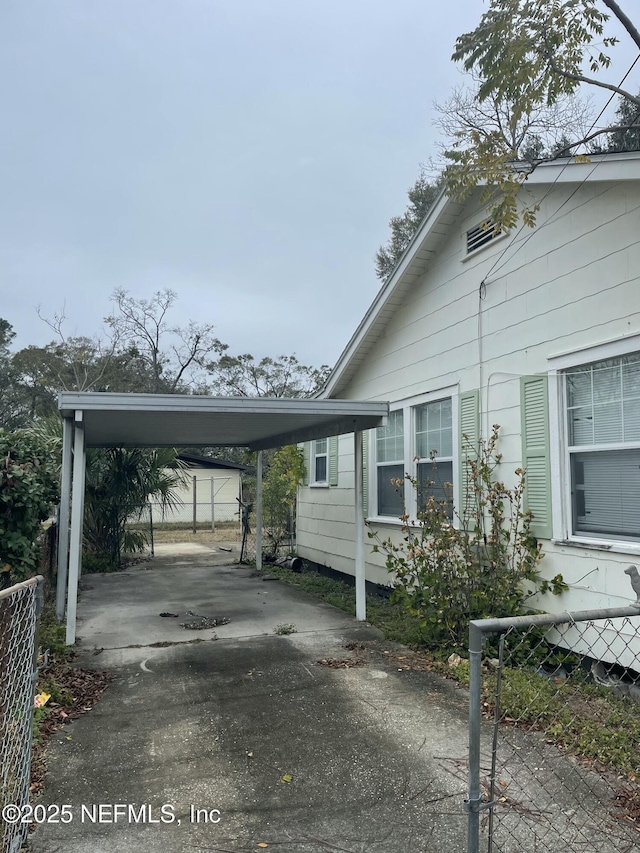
(482, 234)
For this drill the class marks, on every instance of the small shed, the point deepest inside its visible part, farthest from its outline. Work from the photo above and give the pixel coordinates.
(209, 493)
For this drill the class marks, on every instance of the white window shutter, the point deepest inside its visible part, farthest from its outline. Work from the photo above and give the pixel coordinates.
(333, 460)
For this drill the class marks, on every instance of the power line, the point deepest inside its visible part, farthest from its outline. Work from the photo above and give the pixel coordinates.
(551, 188)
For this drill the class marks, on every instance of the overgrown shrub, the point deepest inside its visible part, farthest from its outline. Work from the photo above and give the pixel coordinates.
(480, 563)
(279, 492)
(120, 481)
(28, 490)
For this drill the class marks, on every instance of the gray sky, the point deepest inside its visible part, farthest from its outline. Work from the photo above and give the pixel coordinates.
(246, 153)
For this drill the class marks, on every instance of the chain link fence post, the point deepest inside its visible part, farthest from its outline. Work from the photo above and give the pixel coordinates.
(474, 800)
(20, 609)
(563, 752)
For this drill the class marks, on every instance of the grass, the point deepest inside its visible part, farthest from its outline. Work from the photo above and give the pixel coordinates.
(575, 714)
(52, 634)
(226, 531)
(395, 623)
(284, 630)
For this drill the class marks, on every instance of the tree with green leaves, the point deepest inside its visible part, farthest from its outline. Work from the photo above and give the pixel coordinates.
(421, 198)
(28, 491)
(528, 54)
(279, 493)
(246, 376)
(532, 136)
(12, 409)
(627, 135)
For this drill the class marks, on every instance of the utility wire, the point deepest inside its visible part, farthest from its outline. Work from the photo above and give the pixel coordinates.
(551, 188)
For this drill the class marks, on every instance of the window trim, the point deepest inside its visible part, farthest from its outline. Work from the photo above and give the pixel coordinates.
(408, 405)
(318, 484)
(562, 509)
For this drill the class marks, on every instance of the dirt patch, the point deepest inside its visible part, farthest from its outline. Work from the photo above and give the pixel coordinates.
(163, 644)
(83, 687)
(341, 663)
(223, 533)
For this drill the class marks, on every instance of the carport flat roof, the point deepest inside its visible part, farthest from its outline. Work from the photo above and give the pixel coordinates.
(175, 420)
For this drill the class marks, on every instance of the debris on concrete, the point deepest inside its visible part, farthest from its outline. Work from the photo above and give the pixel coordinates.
(199, 623)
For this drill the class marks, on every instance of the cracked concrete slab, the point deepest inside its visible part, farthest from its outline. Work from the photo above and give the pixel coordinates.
(244, 739)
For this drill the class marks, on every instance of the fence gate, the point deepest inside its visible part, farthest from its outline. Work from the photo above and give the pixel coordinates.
(20, 608)
(561, 690)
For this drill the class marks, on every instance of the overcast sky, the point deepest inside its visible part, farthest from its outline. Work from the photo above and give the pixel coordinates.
(246, 153)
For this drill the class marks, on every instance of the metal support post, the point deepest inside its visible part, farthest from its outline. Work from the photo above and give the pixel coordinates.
(259, 511)
(195, 504)
(63, 521)
(474, 799)
(75, 549)
(361, 592)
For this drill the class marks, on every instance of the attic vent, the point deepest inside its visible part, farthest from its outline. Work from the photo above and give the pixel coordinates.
(481, 235)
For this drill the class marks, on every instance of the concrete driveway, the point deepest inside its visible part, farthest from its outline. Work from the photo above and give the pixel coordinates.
(242, 741)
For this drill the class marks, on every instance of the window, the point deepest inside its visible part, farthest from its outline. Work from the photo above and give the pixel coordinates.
(434, 452)
(603, 438)
(390, 465)
(418, 440)
(320, 460)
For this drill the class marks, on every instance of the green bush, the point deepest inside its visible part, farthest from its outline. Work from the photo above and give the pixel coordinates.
(52, 634)
(99, 563)
(279, 492)
(28, 490)
(486, 565)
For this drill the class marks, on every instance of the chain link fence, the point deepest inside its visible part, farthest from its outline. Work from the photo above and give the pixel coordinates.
(559, 769)
(20, 608)
(207, 501)
(276, 539)
(187, 513)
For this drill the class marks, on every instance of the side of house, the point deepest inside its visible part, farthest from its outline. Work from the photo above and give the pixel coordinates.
(535, 330)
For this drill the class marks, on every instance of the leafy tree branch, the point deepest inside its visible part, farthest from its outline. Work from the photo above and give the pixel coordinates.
(528, 56)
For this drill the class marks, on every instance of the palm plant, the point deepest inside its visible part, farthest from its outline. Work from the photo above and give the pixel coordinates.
(120, 482)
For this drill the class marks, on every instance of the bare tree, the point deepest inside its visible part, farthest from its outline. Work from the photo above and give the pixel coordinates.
(172, 354)
(82, 361)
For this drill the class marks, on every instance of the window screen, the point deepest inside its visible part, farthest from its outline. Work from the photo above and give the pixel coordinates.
(390, 465)
(603, 421)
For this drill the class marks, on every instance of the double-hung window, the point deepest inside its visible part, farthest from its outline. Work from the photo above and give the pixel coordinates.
(416, 440)
(320, 460)
(434, 453)
(603, 445)
(390, 465)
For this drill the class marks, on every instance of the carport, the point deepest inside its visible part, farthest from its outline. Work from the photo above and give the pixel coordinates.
(167, 420)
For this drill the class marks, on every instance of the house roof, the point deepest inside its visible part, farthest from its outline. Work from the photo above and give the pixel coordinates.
(196, 460)
(175, 420)
(435, 228)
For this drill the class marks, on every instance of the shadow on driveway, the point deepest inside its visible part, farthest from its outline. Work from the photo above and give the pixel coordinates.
(234, 743)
